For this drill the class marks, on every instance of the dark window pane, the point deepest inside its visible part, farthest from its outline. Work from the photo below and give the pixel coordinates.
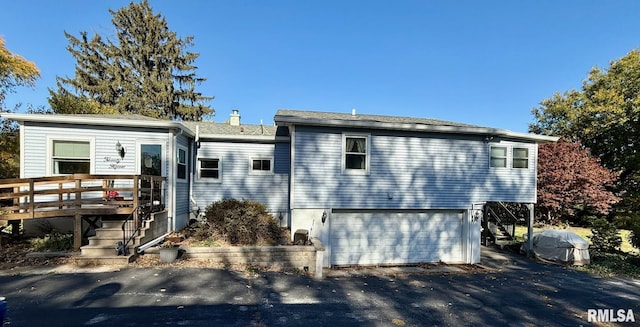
(71, 167)
(151, 157)
(261, 165)
(356, 161)
(209, 174)
(256, 165)
(182, 171)
(209, 163)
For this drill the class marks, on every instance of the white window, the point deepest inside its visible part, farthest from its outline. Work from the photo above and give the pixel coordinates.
(209, 169)
(70, 157)
(261, 165)
(498, 156)
(182, 163)
(356, 153)
(520, 158)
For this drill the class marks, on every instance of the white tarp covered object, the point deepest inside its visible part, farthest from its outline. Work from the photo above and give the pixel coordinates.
(560, 245)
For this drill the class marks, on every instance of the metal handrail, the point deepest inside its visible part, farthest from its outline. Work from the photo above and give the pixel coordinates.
(511, 225)
(138, 216)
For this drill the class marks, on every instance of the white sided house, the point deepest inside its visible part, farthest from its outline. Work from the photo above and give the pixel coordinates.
(374, 189)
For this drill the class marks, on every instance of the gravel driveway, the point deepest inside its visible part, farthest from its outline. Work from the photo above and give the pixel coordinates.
(512, 291)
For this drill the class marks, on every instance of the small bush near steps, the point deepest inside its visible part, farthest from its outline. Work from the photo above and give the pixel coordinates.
(239, 222)
(52, 242)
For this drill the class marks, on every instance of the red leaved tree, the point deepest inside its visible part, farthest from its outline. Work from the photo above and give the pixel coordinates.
(570, 179)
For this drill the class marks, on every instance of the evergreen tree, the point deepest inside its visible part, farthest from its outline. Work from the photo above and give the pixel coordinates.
(145, 70)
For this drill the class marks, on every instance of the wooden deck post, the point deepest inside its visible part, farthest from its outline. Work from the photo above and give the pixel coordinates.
(60, 196)
(15, 224)
(77, 220)
(32, 199)
(530, 229)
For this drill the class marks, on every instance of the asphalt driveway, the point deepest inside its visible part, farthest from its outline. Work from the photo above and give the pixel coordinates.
(518, 293)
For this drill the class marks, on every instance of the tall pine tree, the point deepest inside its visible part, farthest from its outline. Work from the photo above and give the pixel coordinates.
(145, 70)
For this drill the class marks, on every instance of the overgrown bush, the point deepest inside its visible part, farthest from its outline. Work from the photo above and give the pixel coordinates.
(634, 236)
(53, 242)
(241, 222)
(605, 235)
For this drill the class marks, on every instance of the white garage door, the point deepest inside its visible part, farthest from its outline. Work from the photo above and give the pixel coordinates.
(369, 238)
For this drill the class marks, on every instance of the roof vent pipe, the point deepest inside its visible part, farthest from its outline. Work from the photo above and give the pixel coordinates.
(353, 112)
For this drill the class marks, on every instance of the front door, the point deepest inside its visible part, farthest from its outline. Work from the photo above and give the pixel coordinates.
(151, 159)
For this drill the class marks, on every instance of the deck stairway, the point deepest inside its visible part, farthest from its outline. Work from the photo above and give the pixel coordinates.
(103, 247)
(498, 224)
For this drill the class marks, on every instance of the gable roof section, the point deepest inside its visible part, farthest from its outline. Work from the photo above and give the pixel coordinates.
(286, 117)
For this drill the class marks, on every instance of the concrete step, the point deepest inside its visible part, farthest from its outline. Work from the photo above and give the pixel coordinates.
(114, 224)
(108, 232)
(95, 240)
(98, 251)
(83, 261)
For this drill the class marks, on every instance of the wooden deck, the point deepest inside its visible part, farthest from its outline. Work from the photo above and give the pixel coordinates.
(78, 196)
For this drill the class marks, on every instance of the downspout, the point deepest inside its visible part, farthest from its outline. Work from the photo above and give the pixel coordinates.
(194, 162)
(292, 153)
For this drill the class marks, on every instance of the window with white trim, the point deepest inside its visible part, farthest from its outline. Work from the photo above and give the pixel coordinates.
(498, 157)
(261, 165)
(356, 152)
(182, 163)
(71, 157)
(520, 158)
(209, 169)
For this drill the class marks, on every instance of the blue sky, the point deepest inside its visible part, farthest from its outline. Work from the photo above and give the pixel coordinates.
(479, 62)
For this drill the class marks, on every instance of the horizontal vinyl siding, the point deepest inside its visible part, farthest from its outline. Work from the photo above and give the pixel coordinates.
(35, 147)
(35, 151)
(237, 182)
(407, 170)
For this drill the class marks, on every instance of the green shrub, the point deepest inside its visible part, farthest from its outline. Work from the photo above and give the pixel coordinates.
(604, 236)
(241, 222)
(53, 242)
(634, 236)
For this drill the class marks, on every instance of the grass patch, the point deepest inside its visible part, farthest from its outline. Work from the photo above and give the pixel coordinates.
(54, 242)
(618, 264)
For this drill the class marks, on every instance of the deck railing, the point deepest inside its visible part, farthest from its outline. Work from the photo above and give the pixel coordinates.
(78, 195)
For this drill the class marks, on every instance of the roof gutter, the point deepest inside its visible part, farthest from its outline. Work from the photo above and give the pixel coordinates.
(231, 137)
(445, 129)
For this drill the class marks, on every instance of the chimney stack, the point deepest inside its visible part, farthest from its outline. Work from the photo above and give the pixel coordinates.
(234, 119)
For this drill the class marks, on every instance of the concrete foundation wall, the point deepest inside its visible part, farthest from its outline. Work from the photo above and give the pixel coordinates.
(303, 257)
(156, 227)
(286, 257)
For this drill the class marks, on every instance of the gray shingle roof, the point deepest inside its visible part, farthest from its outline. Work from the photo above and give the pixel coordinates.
(211, 128)
(317, 115)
